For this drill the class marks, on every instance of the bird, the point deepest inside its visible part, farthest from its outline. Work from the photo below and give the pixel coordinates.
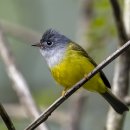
(68, 63)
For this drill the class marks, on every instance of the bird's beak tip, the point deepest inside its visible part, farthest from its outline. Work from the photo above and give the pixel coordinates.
(36, 45)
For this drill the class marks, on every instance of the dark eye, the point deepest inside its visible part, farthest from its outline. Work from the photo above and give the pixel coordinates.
(49, 43)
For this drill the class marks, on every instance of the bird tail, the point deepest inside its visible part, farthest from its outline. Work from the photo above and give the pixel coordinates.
(117, 105)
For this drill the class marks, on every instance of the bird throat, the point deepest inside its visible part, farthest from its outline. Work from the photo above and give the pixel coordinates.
(53, 57)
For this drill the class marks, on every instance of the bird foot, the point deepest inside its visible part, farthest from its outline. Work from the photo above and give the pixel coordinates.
(63, 92)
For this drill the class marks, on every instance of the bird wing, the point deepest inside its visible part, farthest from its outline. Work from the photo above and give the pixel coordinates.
(76, 47)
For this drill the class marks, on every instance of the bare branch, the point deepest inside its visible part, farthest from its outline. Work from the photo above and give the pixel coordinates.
(19, 83)
(119, 22)
(6, 118)
(44, 116)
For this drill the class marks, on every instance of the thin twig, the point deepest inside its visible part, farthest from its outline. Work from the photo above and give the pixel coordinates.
(43, 117)
(19, 83)
(6, 118)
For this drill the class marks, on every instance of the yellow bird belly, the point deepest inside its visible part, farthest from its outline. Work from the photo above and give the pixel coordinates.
(73, 68)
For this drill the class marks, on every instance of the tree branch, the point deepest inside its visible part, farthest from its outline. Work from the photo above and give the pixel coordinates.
(119, 22)
(6, 118)
(19, 83)
(44, 116)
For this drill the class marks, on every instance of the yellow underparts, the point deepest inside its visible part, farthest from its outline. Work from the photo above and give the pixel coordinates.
(73, 68)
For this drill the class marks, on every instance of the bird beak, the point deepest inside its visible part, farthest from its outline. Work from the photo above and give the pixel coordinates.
(37, 45)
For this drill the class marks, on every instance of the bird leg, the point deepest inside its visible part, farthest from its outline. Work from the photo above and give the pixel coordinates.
(64, 92)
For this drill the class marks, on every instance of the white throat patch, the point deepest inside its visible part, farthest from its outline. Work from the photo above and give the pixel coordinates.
(53, 57)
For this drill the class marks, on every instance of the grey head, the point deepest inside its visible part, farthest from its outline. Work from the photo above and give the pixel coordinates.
(52, 46)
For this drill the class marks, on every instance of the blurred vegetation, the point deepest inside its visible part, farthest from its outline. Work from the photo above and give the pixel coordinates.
(62, 15)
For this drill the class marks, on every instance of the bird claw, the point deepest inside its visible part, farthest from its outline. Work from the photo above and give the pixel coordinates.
(64, 92)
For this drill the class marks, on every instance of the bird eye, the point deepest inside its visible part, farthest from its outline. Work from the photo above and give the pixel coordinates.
(49, 43)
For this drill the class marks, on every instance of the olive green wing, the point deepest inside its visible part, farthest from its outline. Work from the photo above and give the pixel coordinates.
(84, 53)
